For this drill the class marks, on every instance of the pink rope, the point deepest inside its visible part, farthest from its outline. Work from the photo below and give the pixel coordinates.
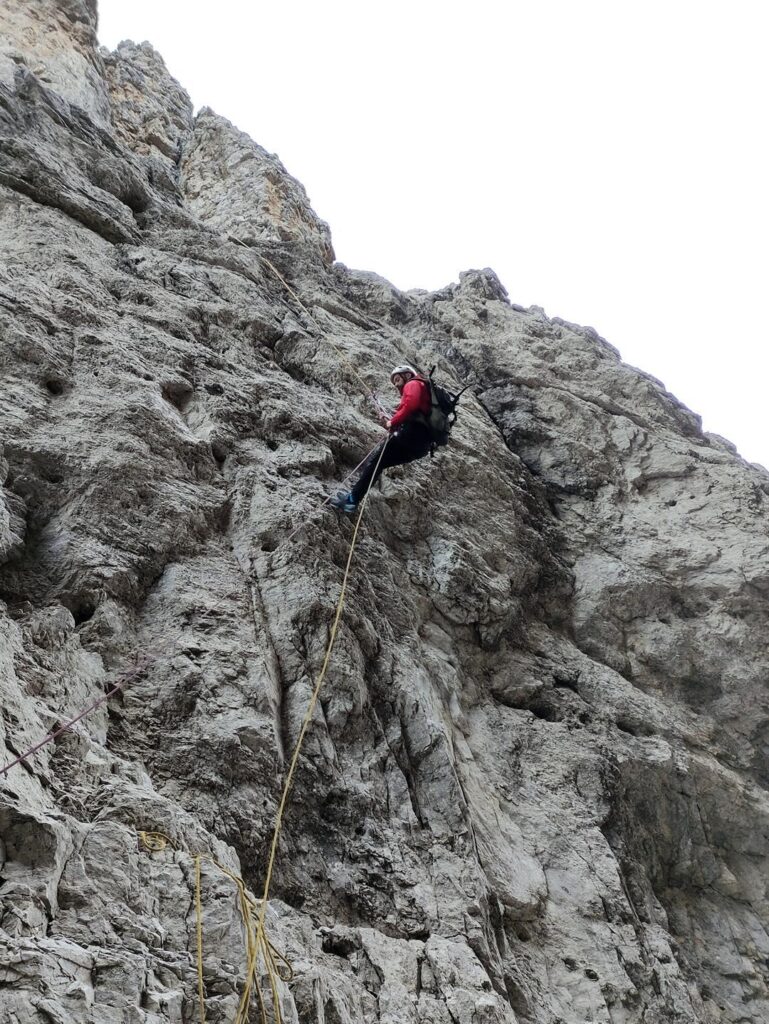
(73, 721)
(131, 674)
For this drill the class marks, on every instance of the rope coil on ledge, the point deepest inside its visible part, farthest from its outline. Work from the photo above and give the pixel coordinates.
(277, 965)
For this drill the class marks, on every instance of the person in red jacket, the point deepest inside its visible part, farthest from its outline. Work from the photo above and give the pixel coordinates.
(409, 436)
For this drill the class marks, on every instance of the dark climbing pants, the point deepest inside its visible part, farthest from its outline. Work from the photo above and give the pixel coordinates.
(411, 442)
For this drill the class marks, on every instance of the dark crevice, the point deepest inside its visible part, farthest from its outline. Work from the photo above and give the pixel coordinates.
(178, 394)
(82, 608)
(54, 386)
(543, 710)
(634, 727)
(219, 452)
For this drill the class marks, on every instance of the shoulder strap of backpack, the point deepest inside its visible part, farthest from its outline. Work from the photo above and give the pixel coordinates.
(454, 395)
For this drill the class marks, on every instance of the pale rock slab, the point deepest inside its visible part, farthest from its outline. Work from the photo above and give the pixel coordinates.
(56, 41)
(236, 187)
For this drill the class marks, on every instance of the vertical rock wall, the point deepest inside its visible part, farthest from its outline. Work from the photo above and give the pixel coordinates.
(535, 786)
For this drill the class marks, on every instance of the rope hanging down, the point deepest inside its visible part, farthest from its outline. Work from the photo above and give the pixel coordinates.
(260, 933)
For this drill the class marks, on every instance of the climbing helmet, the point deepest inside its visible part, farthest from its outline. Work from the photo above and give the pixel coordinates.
(404, 368)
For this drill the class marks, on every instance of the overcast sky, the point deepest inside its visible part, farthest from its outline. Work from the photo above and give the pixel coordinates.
(607, 158)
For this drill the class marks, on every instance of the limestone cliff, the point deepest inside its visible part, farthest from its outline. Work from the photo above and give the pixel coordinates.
(535, 788)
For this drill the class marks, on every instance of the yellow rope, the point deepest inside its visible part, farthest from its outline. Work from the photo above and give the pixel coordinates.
(278, 966)
(256, 941)
(311, 706)
(155, 842)
(199, 931)
(261, 943)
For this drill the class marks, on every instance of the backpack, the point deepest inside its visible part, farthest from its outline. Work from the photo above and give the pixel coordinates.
(442, 415)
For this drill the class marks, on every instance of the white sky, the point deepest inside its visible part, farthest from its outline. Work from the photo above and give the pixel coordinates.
(607, 158)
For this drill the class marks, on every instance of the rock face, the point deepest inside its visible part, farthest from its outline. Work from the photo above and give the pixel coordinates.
(535, 786)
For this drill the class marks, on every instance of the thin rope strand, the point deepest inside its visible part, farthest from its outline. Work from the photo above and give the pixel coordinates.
(311, 708)
(199, 934)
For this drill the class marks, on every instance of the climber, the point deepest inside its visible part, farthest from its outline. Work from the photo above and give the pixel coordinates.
(408, 439)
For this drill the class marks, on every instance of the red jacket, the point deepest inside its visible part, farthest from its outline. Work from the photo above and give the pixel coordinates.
(415, 398)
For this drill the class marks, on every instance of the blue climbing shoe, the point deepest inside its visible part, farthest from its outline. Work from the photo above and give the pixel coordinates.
(345, 502)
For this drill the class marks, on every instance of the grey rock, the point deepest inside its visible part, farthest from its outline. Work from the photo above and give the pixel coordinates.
(534, 788)
(236, 187)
